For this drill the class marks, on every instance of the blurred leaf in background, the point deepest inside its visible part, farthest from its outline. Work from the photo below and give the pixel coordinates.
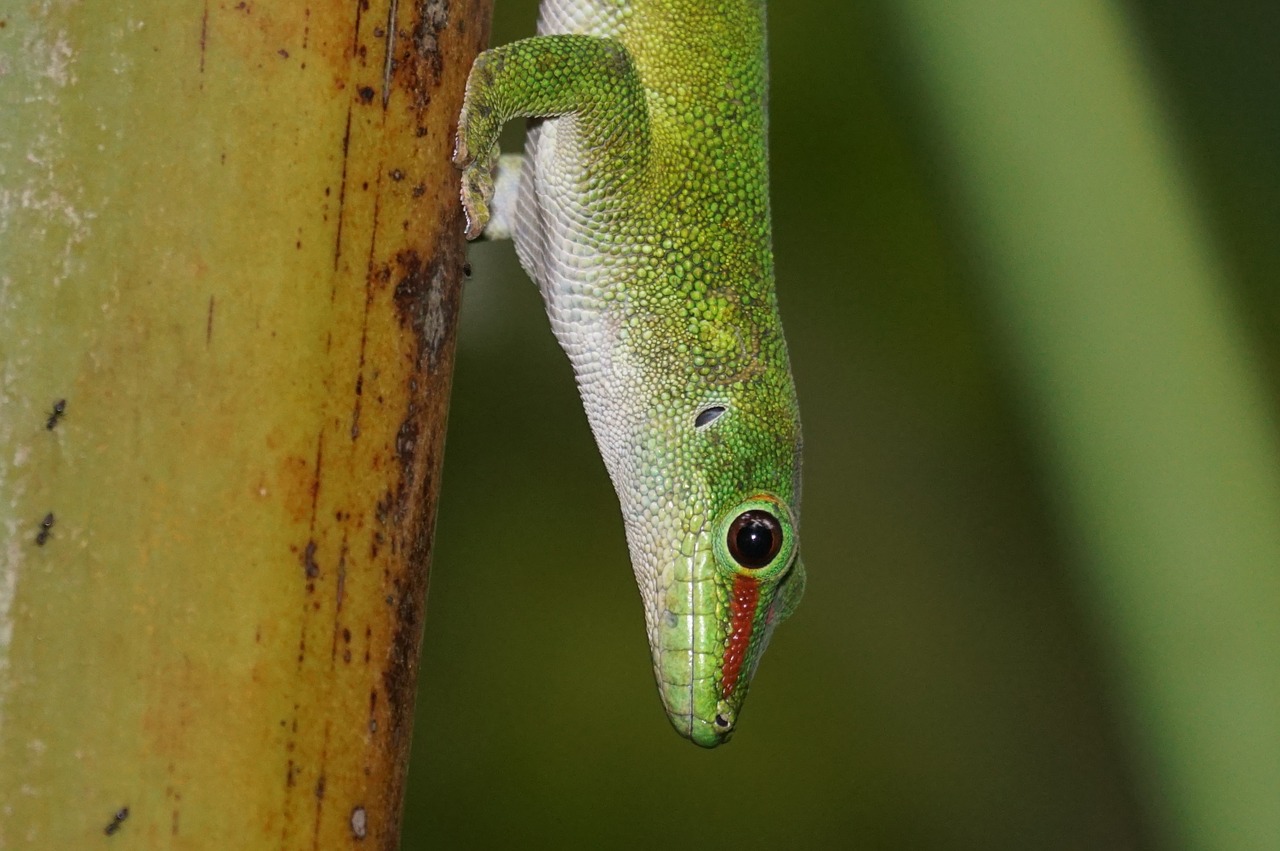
(952, 679)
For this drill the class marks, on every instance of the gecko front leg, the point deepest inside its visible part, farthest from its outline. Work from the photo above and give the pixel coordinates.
(589, 78)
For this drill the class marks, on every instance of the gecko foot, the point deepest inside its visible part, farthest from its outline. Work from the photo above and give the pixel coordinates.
(477, 192)
(478, 169)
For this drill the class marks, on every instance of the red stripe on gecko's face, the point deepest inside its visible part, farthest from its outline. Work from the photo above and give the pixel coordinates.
(742, 617)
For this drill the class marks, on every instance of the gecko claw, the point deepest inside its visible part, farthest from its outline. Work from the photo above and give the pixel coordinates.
(477, 178)
(476, 193)
(461, 157)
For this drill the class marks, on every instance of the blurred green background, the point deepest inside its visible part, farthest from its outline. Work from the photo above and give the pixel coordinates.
(1028, 264)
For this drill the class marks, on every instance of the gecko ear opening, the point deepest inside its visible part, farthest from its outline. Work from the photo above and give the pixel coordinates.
(708, 415)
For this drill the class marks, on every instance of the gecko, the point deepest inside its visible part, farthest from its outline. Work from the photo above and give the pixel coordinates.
(640, 208)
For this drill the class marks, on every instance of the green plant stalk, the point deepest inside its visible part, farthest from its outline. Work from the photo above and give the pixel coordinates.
(1152, 419)
(230, 241)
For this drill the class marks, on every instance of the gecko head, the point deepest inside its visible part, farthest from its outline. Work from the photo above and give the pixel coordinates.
(759, 580)
(728, 566)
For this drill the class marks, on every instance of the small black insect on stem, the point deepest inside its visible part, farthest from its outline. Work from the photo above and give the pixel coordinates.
(116, 821)
(59, 408)
(45, 526)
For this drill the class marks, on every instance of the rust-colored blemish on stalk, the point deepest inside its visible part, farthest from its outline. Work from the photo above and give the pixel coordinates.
(321, 783)
(355, 28)
(315, 480)
(339, 594)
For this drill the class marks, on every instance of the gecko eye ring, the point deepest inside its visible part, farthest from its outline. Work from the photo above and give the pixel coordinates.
(757, 538)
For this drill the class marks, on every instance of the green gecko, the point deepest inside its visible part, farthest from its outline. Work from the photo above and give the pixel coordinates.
(641, 209)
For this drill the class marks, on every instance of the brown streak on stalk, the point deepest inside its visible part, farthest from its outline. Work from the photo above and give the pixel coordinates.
(388, 66)
(204, 39)
(368, 301)
(342, 194)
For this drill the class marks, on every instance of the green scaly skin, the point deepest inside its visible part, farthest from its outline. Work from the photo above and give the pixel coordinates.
(642, 211)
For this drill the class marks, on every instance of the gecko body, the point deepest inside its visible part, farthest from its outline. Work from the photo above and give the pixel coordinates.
(641, 210)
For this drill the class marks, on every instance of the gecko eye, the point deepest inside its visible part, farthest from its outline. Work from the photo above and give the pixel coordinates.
(757, 539)
(754, 538)
(708, 415)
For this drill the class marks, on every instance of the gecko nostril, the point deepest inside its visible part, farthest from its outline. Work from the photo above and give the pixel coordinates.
(724, 720)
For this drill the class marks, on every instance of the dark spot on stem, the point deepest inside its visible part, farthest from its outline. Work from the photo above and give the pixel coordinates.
(309, 564)
(59, 410)
(204, 39)
(116, 821)
(46, 525)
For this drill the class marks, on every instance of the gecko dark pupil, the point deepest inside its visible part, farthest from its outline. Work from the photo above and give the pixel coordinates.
(755, 538)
